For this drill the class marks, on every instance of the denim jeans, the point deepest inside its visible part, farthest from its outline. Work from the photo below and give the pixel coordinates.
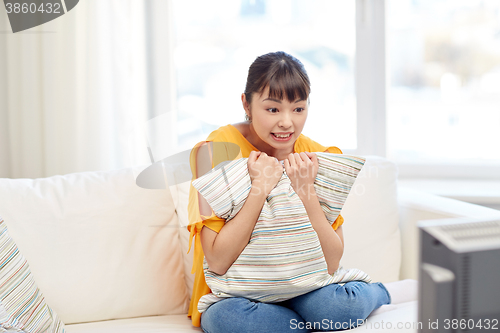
(331, 308)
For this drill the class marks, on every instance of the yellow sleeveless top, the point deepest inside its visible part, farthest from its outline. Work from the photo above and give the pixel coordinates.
(230, 134)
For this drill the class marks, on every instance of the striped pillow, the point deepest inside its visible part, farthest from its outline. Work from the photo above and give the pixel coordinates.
(22, 305)
(283, 258)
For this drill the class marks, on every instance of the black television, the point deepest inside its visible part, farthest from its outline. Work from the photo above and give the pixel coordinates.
(459, 275)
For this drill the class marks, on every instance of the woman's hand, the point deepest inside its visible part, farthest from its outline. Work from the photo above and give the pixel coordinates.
(265, 171)
(302, 169)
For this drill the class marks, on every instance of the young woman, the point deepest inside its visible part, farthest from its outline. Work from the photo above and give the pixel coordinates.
(276, 106)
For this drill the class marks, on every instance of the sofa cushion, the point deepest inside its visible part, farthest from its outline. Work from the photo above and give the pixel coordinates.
(22, 305)
(156, 324)
(99, 246)
(400, 318)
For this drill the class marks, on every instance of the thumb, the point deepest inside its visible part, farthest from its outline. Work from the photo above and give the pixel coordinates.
(253, 156)
(313, 157)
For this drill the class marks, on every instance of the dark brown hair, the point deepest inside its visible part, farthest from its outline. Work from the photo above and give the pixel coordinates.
(284, 74)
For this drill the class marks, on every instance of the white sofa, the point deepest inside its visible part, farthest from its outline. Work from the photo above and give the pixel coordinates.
(111, 257)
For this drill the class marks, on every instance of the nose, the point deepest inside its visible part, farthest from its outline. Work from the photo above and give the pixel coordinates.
(285, 121)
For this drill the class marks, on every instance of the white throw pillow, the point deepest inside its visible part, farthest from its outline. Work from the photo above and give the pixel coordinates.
(99, 246)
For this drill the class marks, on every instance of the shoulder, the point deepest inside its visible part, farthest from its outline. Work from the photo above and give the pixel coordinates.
(305, 143)
(226, 142)
(243, 128)
(223, 133)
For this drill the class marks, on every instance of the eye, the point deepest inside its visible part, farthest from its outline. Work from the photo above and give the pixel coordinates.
(299, 110)
(272, 110)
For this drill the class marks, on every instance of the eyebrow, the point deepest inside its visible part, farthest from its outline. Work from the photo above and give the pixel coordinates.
(279, 101)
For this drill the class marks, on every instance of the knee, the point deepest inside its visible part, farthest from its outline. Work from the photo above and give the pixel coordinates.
(242, 315)
(223, 316)
(345, 305)
(356, 301)
(351, 313)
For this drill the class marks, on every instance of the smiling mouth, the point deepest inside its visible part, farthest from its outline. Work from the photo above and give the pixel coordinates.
(282, 136)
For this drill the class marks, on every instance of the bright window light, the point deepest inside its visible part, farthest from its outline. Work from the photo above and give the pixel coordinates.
(444, 72)
(215, 45)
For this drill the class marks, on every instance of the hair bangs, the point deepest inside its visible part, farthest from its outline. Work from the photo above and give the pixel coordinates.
(283, 74)
(288, 84)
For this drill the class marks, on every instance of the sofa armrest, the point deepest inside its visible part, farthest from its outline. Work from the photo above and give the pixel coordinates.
(415, 206)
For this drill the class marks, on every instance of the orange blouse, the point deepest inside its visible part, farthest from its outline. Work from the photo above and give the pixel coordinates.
(230, 134)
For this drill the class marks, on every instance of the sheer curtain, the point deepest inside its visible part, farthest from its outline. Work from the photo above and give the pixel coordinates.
(73, 92)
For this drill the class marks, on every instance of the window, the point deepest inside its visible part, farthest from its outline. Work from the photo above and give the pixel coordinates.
(444, 92)
(216, 43)
(417, 81)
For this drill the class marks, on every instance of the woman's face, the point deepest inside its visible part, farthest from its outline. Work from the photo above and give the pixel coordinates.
(278, 123)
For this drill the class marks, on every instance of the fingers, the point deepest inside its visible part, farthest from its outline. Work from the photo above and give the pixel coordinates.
(297, 159)
(286, 164)
(313, 157)
(305, 158)
(294, 159)
(253, 156)
(266, 158)
(261, 158)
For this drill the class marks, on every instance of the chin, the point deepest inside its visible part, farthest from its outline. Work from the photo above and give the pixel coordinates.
(289, 144)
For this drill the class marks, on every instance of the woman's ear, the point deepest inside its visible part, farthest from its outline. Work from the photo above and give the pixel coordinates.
(244, 101)
(246, 105)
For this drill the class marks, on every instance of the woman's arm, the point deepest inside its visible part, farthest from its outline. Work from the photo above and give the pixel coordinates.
(302, 169)
(223, 248)
(332, 241)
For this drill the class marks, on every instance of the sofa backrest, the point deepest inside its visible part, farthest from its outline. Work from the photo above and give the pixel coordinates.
(372, 240)
(99, 247)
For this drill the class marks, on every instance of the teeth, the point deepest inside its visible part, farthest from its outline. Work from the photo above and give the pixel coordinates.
(282, 135)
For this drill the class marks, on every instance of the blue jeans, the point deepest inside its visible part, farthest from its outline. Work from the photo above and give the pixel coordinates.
(331, 308)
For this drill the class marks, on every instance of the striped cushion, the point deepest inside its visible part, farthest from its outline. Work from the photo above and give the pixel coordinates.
(283, 258)
(22, 305)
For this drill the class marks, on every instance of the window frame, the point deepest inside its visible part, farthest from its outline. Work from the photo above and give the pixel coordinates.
(370, 71)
